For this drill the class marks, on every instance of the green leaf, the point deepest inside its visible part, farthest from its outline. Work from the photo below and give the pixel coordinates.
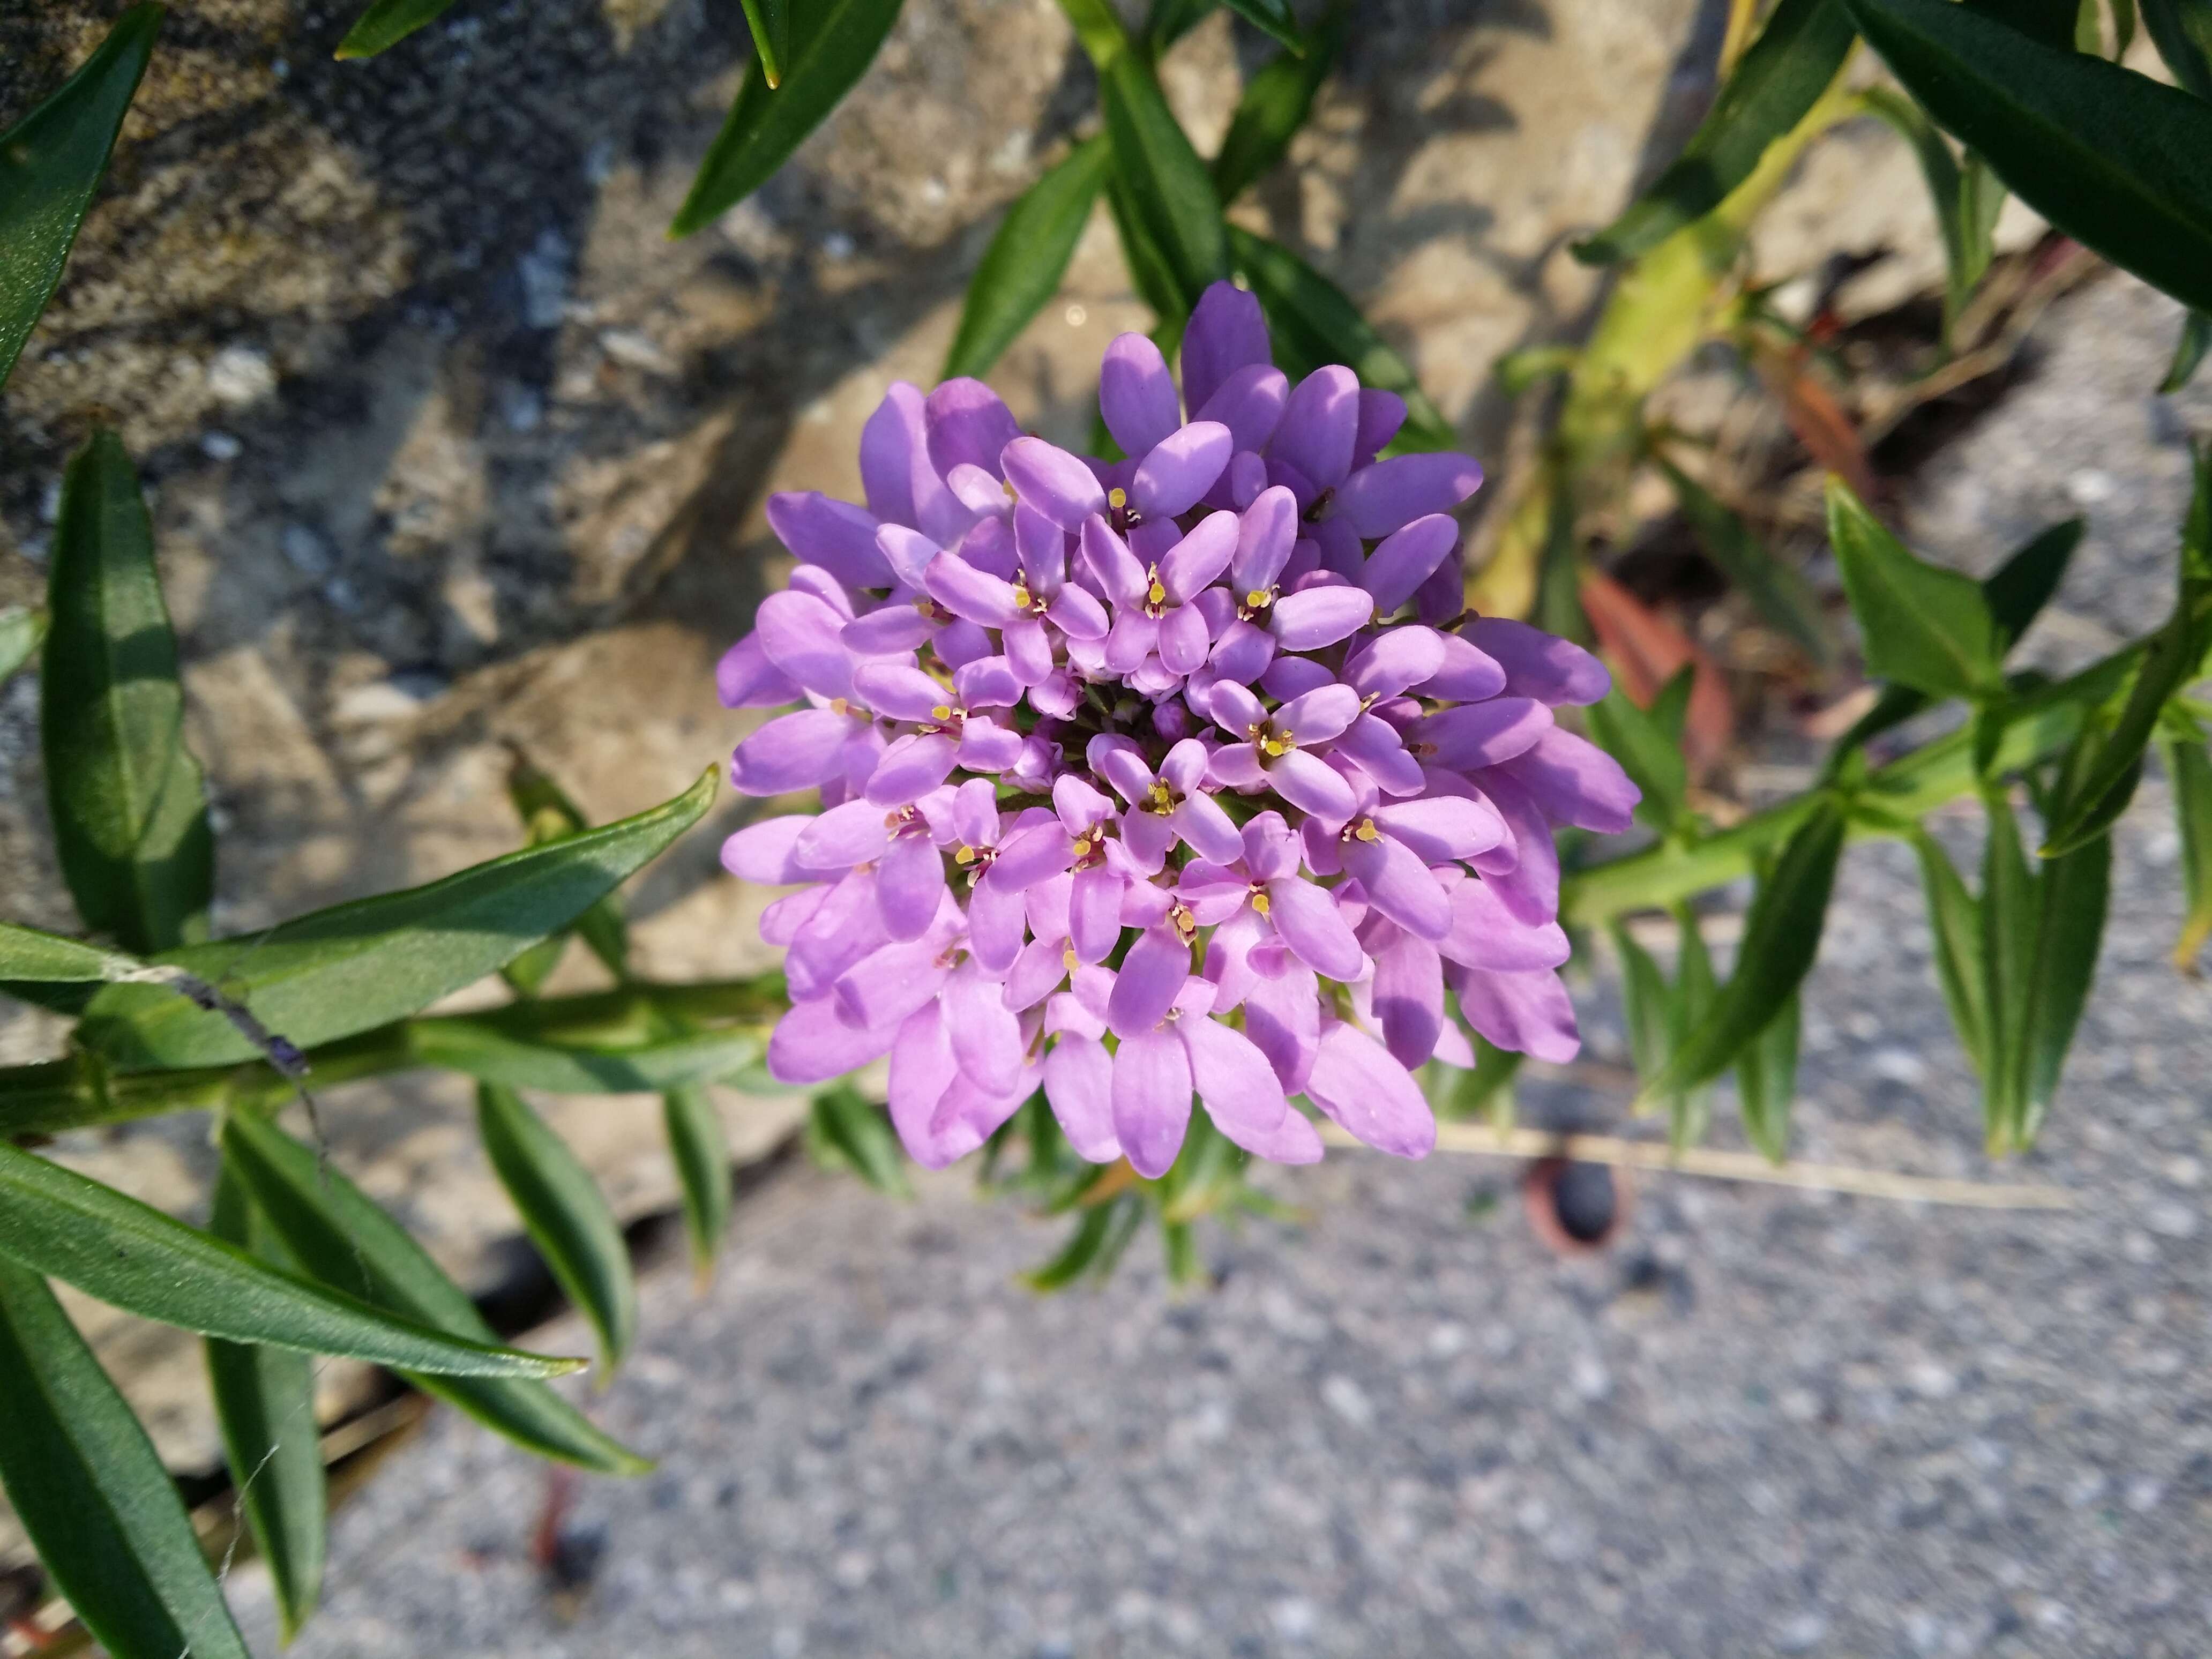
(1023, 267)
(132, 1256)
(128, 809)
(1149, 271)
(2189, 776)
(51, 163)
(100, 1510)
(1314, 322)
(386, 23)
(1652, 759)
(1955, 928)
(1647, 1006)
(2011, 898)
(1778, 79)
(1766, 1082)
(565, 1214)
(1272, 18)
(22, 631)
(31, 955)
(832, 44)
(2077, 893)
(363, 964)
(2017, 590)
(1170, 193)
(700, 1148)
(344, 1238)
(1923, 627)
(859, 1133)
(1689, 1110)
(1960, 195)
(1781, 937)
(514, 1047)
(2189, 349)
(1171, 19)
(548, 815)
(769, 21)
(1778, 593)
(529, 970)
(2182, 31)
(2110, 157)
(2056, 23)
(1275, 105)
(1484, 1089)
(2123, 26)
(1099, 1238)
(264, 1401)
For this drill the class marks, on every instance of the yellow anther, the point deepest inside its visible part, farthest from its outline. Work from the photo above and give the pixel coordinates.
(1185, 923)
(1067, 958)
(1157, 593)
(1159, 798)
(838, 705)
(965, 854)
(1367, 831)
(1272, 744)
(1117, 499)
(1258, 599)
(1007, 484)
(1260, 902)
(942, 712)
(1022, 599)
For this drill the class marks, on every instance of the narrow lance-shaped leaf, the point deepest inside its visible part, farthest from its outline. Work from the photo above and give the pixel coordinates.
(1689, 1109)
(1955, 927)
(1923, 627)
(129, 810)
(859, 1133)
(1652, 759)
(1779, 78)
(132, 1256)
(2010, 899)
(565, 1214)
(22, 631)
(1646, 1004)
(832, 44)
(1485, 1088)
(1170, 192)
(2076, 892)
(32, 956)
(2182, 31)
(700, 1148)
(1272, 18)
(51, 163)
(1274, 106)
(1022, 269)
(548, 815)
(386, 23)
(1313, 322)
(1150, 275)
(1766, 1082)
(769, 21)
(2189, 349)
(1171, 19)
(1959, 196)
(2189, 776)
(344, 1238)
(264, 1401)
(1781, 595)
(2056, 23)
(606, 1044)
(99, 1509)
(1781, 937)
(2112, 158)
(359, 965)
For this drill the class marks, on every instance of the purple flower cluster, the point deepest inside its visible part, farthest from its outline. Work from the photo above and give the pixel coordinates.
(1182, 774)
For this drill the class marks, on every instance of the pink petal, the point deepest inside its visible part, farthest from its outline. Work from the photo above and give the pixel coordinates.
(1528, 1014)
(987, 1038)
(909, 882)
(1282, 1016)
(1150, 975)
(792, 751)
(811, 1044)
(1399, 885)
(1409, 997)
(1311, 925)
(1150, 1096)
(1136, 394)
(764, 852)
(1235, 1083)
(1078, 1082)
(1370, 1095)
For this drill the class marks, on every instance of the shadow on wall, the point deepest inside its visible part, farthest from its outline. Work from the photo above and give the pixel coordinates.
(422, 391)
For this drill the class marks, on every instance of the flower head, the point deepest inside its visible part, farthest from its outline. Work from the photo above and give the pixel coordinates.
(1180, 777)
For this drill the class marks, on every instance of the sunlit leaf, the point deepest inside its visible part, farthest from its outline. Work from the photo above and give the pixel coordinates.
(22, 631)
(33, 956)
(832, 44)
(130, 1255)
(1313, 322)
(2110, 157)
(2076, 892)
(386, 23)
(769, 21)
(1170, 193)
(264, 1401)
(126, 797)
(1778, 79)
(1920, 626)
(1022, 269)
(524, 1046)
(701, 1147)
(344, 1239)
(100, 1510)
(1779, 593)
(51, 163)
(359, 965)
(548, 815)
(1274, 106)
(565, 1214)
(2011, 898)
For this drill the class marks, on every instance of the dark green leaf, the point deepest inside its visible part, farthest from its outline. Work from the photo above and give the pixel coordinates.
(860, 1132)
(1149, 271)
(1959, 194)
(2189, 776)
(22, 631)
(1781, 937)
(2010, 900)
(1171, 19)
(1275, 104)
(264, 1401)
(51, 163)
(1099, 1238)
(363, 964)
(1313, 323)
(1646, 1004)
(1955, 929)
(832, 44)
(700, 1148)
(2076, 891)
(1777, 79)
(1689, 1110)
(2182, 31)
(1670, 708)
(2018, 589)
(1920, 626)
(1484, 1089)
(507, 1046)
(2110, 157)
(130, 812)
(387, 23)
(1170, 193)
(2123, 26)
(1272, 18)
(548, 815)
(100, 1510)
(1652, 759)
(344, 1239)
(769, 21)
(1023, 267)
(2056, 23)
(565, 1214)
(2189, 349)
(529, 970)
(132, 1256)
(1780, 594)
(1766, 1082)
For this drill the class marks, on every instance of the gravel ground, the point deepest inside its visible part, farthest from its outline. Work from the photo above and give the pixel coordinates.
(1765, 1422)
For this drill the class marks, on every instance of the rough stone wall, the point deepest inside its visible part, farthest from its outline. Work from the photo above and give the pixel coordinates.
(449, 447)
